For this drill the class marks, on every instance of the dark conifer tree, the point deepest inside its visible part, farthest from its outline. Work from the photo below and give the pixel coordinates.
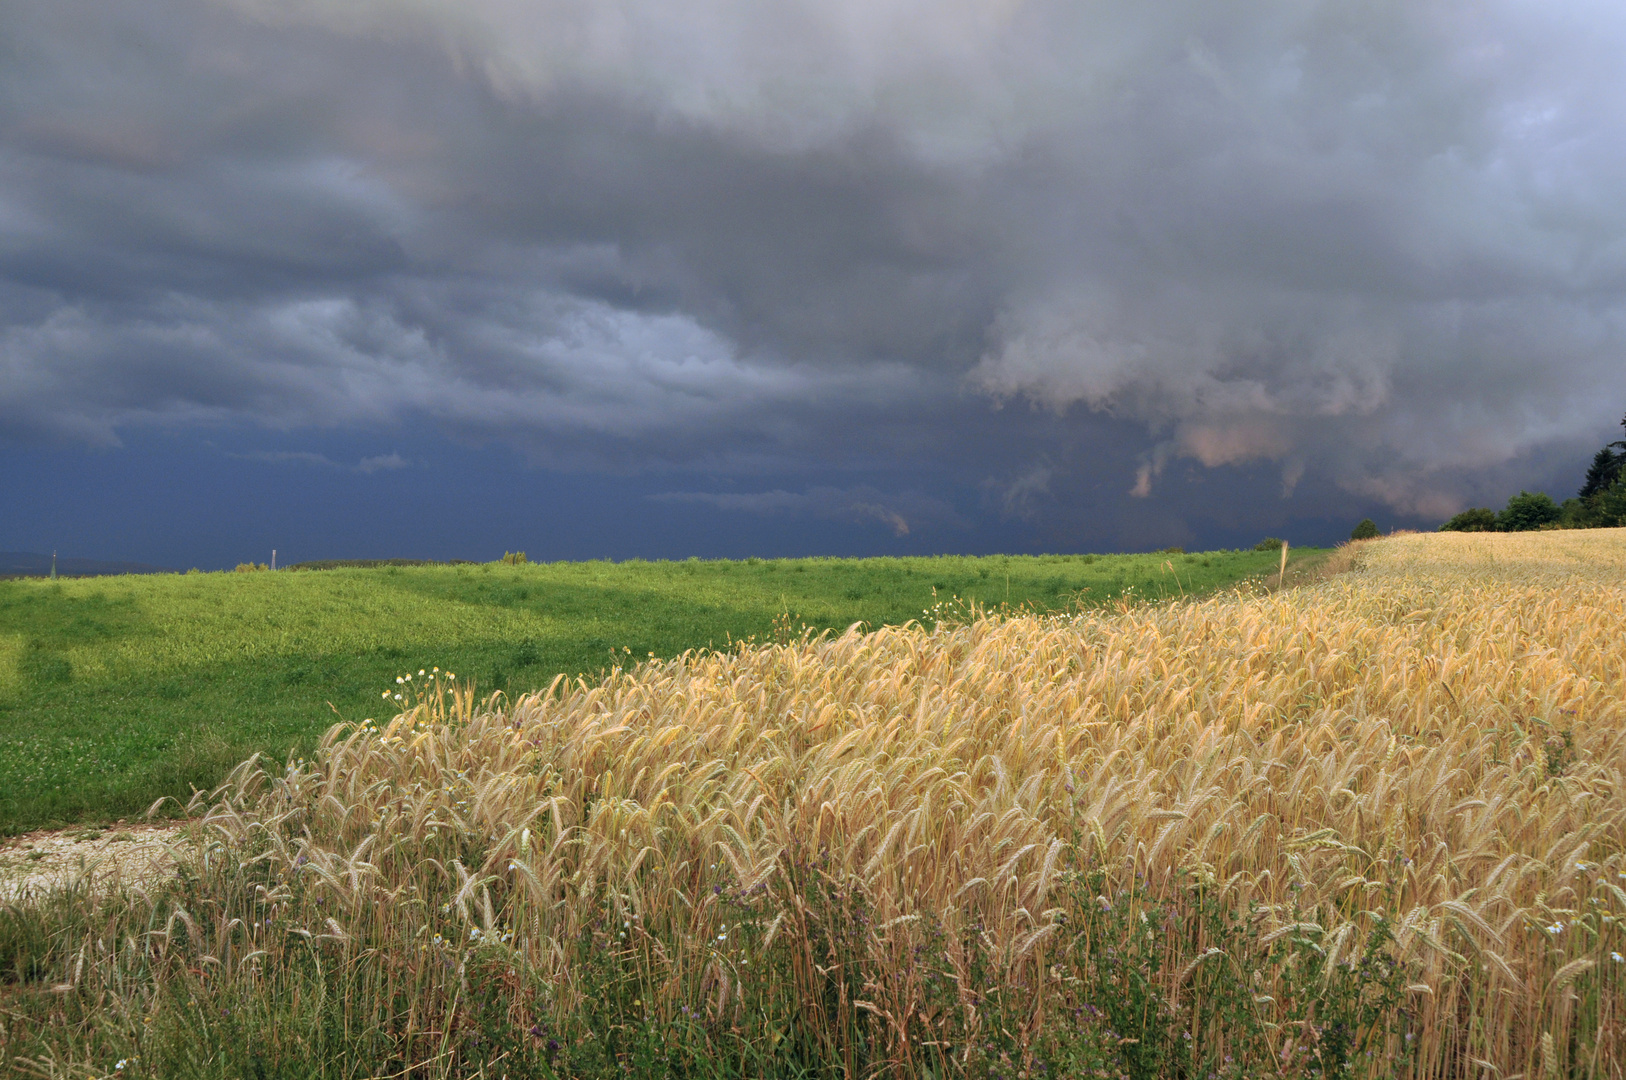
(1602, 472)
(1605, 468)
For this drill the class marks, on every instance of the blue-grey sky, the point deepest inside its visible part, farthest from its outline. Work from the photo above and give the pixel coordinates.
(629, 277)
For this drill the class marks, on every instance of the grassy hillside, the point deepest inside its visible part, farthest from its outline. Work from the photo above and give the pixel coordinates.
(116, 691)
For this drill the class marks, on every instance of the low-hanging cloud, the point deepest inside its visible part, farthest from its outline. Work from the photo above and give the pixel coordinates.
(1377, 247)
(286, 457)
(859, 505)
(382, 463)
(367, 465)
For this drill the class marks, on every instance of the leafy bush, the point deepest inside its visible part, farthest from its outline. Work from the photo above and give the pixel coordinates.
(248, 567)
(1269, 543)
(1526, 511)
(514, 558)
(1576, 513)
(1479, 519)
(1610, 508)
(1366, 530)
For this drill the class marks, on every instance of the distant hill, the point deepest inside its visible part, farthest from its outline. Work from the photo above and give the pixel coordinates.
(31, 564)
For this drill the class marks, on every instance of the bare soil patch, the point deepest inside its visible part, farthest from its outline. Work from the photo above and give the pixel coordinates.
(48, 859)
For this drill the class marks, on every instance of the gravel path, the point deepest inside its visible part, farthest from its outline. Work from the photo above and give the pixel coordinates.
(50, 858)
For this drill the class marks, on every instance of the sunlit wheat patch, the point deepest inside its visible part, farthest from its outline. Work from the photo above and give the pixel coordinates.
(1373, 826)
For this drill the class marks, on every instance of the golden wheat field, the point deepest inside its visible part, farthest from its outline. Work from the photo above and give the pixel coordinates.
(1371, 826)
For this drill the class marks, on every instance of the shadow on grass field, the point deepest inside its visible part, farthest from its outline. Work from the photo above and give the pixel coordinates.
(116, 692)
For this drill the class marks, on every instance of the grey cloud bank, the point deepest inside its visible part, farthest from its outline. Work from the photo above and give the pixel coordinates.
(863, 504)
(1374, 250)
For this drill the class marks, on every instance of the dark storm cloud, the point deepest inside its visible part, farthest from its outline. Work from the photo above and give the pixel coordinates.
(862, 505)
(1372, 249)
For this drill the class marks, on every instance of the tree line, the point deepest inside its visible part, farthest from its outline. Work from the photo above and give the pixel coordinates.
(1600, 504)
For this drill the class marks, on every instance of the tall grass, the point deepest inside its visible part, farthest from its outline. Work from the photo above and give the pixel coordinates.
(1376, 827)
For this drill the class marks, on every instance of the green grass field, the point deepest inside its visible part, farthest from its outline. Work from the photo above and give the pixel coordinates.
(117, 691)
